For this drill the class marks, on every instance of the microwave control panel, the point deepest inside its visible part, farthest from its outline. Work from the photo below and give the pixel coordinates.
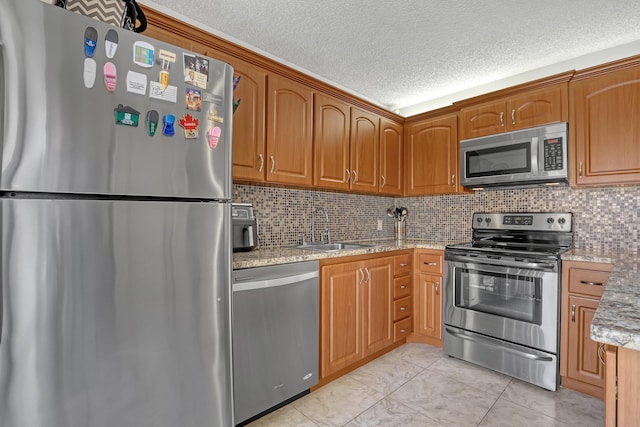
(553, 154)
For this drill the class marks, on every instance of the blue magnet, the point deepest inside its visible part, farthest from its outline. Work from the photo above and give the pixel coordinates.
(168, 122)
(90, 41)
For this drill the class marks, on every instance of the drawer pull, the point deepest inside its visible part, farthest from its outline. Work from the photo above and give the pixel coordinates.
(404, 265)
(402, 331)
(403, 286)
(433, 264)
(586, 282)
(403, 308)
(573, 313)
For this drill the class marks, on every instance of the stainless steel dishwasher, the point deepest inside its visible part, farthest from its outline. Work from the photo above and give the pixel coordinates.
(275, 336)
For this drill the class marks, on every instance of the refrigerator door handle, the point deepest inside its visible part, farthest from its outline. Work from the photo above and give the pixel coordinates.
(13, 84)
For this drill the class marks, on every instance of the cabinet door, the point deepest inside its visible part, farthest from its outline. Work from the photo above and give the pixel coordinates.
(536, 108)
(378, 305)
(432, 156)
(605, 130)
(390, 158)
(428, 306)
(341, 316)
(482, 120)
(289, 137)
(331, 123)
(249, 162)
(583, 362)
(365, 150)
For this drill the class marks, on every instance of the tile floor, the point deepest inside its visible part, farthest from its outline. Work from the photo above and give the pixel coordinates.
(417, 385)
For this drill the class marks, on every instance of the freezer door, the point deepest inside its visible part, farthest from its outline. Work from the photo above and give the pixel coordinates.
(115, 314)
(60, 136)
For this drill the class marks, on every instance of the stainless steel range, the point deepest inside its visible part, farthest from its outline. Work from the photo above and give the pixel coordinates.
(502, 294)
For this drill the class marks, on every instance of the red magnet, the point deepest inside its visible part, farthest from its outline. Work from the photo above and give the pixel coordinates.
(190, 125)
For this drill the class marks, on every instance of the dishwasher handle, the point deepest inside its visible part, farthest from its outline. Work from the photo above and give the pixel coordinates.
(271, 283)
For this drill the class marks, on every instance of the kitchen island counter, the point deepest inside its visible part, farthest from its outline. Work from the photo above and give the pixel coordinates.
(617, 318)
(285, 255)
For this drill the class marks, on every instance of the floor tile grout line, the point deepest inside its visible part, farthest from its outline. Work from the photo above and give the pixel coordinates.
(494, 403)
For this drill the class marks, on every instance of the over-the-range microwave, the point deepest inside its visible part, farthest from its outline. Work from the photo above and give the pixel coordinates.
(523, 158)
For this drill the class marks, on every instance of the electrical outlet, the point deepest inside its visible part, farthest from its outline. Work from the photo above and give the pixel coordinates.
(379, 225)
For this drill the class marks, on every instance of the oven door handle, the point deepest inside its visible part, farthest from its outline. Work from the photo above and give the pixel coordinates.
(503, 262)
(506, 349)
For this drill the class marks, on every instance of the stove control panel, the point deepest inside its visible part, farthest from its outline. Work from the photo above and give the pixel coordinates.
(535, 221)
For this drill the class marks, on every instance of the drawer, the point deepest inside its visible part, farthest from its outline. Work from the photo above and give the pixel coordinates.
(587, 282)
(430, 262)
(402, 308)
(402, 264)
(401, 287)
(402, 329)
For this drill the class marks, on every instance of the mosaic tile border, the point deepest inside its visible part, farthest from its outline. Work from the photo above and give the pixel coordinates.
(604, 218)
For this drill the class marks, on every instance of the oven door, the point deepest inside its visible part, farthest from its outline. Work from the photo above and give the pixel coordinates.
(503, 297)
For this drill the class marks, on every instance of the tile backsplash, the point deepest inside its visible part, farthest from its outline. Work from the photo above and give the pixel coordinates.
(604, 218)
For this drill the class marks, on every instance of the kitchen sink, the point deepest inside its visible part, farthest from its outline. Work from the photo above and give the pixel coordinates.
(329, 247)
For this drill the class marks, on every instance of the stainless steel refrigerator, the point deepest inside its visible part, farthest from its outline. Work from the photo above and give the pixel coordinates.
(115, 206)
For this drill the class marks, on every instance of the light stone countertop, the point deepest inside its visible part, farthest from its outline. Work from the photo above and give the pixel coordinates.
(617, 319)
(284, 255)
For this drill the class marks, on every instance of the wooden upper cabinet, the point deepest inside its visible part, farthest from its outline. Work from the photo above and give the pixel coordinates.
(331, 125)
(390, 158)
(538, 107)
(482, 120)
(365, 150)
(249, 149)
(605, 130)
(289, 135)
(518, 111)
(431, 155)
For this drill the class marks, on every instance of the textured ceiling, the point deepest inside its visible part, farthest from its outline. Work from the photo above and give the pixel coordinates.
(403, 54)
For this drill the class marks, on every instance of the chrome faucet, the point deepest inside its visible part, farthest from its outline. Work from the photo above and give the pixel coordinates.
(326, 226)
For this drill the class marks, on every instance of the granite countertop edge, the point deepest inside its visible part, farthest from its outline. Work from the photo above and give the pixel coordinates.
(284, 254)
(617, 318)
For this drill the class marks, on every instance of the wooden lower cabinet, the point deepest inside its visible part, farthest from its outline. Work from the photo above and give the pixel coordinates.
(582, 359)
(427, 295)
(356, 311)
(622, 386)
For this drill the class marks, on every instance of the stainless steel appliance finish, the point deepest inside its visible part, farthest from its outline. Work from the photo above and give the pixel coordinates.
(69, 143)
(116, 246)
(275, 335)
(523, 158)
(502, 294)
(244, 227)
